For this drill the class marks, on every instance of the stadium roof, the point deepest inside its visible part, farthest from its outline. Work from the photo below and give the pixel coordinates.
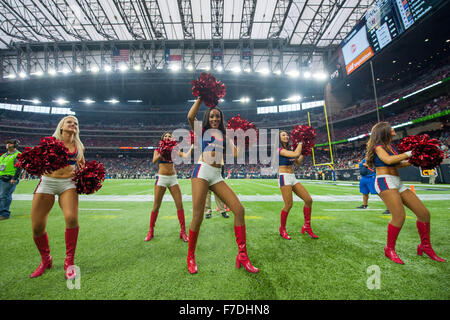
(318, 23)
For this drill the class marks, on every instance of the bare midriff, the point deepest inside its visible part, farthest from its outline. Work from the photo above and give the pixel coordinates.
(393, 171)
(166, 169)
(63, 173)
(286, 169)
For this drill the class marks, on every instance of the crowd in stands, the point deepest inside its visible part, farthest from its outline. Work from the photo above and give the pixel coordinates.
(437, 105)
(368, 105)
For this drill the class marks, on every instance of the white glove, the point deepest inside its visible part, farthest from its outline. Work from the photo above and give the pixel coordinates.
(408, 153)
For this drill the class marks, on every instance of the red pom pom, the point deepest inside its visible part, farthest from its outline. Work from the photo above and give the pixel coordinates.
(50, 155)
(208, 89)
(426, 152)
(306, 135)
(237, 122)
(165, 148)
(89, 179)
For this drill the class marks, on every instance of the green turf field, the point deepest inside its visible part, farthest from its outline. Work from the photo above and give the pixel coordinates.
(116, 262)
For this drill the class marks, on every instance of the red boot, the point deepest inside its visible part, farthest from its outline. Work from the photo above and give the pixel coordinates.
(425, 245)
(242, 257)
(153, 217)
(307, 226)
(46, 259)
(192, 265)
(183, 235)
(71, 237)
(283, 231)
(389, 249)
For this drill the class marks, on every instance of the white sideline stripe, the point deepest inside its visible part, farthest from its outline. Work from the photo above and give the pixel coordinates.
(97, 209)
(249, 198)
(351, 209)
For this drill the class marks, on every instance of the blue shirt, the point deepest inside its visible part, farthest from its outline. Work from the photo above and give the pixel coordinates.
(365, 171)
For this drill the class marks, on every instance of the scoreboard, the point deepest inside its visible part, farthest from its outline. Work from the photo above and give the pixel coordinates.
(385, 21)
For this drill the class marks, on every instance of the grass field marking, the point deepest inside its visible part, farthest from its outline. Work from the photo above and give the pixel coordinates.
(250, 198)
(322, 218)
(388, 216)
(99, 209)
(352, 209)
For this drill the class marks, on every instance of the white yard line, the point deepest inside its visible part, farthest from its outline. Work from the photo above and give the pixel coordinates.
(247, 198)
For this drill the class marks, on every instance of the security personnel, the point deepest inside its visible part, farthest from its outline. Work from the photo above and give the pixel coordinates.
(9, 176)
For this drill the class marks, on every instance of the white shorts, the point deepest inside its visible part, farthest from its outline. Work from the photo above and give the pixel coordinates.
(387, 182)
(207, 172)
(287, 179)
(166, 181)
(56, 186)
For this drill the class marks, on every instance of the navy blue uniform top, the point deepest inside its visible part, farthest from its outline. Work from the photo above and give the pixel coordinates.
(379, 163)
(216, 144)
(284, 161)
(72, 157)
(365, 171)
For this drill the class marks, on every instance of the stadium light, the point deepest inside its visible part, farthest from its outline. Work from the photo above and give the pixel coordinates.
(271, 99)
(52, 72)
(36, 101)
(78, 70)
(60, 101)
(277, 72)
(123, 67)
(307, 75)
(248, 70)
(243, 100)
(10, 76)
(37, 73)
(236, 69)
(65, 71)
(320, 75)
(107, 68)
(190, 67)
(136, 67)
(219, 68)
(174, 68)
(264, 72)
(293, 73)
(295, 98)
(113, 101)
(87, 101)
(22, 75)
(135, 101)
(94, 69)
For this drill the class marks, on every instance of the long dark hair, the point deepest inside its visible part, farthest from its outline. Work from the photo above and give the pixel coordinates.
(167, 132)
(205, 122)
(379, 135)
(281, 143)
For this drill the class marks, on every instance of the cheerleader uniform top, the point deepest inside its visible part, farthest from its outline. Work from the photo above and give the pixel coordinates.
(379, 163)
(217, 144)
(284, 161)
(161, 160)
(72, 157)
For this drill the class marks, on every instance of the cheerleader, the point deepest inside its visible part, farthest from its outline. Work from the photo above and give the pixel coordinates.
(288, 184)
(207, 175)
(167, 178)
(59, 183)
(384, 156)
